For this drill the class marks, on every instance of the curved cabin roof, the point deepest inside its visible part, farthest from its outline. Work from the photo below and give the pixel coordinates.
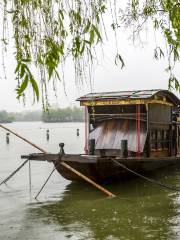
(130, 97)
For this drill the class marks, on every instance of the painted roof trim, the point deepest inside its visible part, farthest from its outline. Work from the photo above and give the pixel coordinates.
(131, 95)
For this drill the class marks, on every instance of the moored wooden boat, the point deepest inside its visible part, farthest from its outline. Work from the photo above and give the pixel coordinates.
(106, 170)
(125, 131)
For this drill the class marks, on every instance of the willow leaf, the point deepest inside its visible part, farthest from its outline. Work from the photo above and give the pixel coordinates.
(23, 86)
(35, 87)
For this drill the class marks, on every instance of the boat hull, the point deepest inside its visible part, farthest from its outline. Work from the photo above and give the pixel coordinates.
(107, 170)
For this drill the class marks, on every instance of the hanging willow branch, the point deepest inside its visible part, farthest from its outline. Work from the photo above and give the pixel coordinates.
(48, 32)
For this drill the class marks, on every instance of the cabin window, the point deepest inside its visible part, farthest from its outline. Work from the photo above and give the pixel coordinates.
(163, 139)
(166, 139)
(153, 139)
(159, 139)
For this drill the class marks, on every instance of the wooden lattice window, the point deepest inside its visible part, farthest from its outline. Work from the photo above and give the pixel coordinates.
(159, 139)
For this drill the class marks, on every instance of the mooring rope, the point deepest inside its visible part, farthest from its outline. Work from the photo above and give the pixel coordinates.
(30, 181)
(13, 173)
(45, 183)
(146, 178)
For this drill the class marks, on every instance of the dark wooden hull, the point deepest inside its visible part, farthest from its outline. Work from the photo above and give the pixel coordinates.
(105, 170)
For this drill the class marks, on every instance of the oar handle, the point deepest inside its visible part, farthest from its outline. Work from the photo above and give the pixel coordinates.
(24, 139)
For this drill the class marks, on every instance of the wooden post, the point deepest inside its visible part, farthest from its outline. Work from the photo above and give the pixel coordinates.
(7, 138)
(47, 134)
(91, 146)
(124, 148)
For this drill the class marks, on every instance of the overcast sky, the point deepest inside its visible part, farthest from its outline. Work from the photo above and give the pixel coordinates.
(141, 72)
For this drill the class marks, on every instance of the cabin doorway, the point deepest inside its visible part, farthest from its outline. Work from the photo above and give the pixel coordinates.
(178, 140)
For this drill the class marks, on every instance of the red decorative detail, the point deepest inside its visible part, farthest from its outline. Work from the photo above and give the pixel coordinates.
(138, 129)
(86, 131)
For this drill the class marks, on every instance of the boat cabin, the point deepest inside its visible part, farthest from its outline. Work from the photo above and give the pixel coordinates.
(142, 123)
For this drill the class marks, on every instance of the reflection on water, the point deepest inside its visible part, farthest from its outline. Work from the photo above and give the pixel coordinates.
(142, 212)
(68, 210)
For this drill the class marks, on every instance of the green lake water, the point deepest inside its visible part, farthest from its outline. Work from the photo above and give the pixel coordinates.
(67, 210)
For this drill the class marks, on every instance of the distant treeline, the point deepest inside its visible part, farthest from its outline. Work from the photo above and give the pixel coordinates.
(6, 117)
(27, 116)
(64, 115)
(54, 115)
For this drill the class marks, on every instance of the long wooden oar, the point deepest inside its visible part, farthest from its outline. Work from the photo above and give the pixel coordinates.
(63, 164)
